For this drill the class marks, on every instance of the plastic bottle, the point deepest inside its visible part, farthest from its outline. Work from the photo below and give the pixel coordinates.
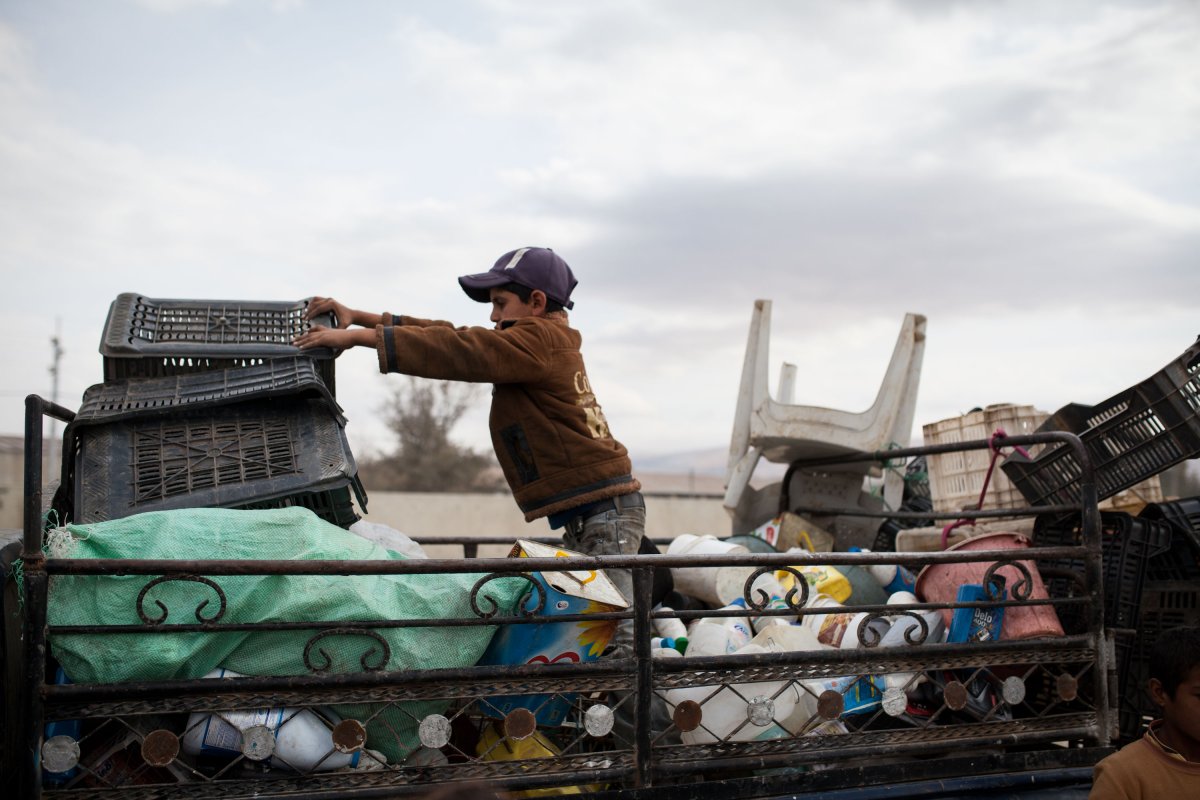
(905, 626)
(670, 627)
(727, 716)
(875, 630)
(719, 636)
(829, 627)
(661, 643)
(761, 623)
(864, 589)
(892, 577)
(822, 578)
(302, 741)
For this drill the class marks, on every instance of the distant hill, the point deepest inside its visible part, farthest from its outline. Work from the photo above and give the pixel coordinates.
(711, 461)
(696, 472)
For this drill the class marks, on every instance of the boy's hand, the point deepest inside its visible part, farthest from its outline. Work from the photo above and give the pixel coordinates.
(334, 338)
(323, 305)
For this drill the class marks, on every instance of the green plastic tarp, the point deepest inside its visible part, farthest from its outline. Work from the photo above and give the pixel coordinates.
(290, 533)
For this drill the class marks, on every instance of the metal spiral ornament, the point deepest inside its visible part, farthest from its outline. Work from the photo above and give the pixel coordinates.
(522, 610)
(867, 635)
(141, 599)
(993, 583)
(364, 661)
(799, 587)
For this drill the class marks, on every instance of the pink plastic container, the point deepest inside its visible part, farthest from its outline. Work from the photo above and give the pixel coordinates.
(938, 583)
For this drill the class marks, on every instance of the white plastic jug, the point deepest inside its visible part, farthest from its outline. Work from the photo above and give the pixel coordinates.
(702, 582)
(725, 713)
(905, 626)
(719, 636)
(295, 737)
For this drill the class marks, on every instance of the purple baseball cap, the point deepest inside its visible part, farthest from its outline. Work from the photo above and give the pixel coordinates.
(532, 267)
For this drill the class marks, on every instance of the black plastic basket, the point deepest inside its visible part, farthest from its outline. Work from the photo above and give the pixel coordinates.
(144, 397)
(1127, 545)
(1129, 437)
(1165, 605)
(226, 456)
(334, 506)
(1184, 514)
(150, 338)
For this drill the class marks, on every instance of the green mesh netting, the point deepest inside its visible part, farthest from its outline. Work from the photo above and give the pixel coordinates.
(290, 533)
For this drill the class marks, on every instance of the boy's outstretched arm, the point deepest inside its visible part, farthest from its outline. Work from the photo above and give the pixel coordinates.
(335, 338)
(345, 315)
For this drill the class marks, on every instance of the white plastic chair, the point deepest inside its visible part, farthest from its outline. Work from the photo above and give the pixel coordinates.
(782, 432)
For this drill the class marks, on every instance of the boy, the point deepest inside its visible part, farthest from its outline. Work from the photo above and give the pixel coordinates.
(553, 442)
(1165, 762)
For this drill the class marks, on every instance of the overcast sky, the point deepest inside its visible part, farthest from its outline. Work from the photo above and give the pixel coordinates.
(1025, 174)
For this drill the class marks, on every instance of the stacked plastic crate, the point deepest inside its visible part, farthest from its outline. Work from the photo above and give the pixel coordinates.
(206, 403)
(1151, 562)
(956, 479)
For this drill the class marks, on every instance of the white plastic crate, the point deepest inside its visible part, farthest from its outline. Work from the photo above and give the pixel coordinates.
(956, 479)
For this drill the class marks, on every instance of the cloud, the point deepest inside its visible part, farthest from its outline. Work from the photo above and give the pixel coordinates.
(1023, 175)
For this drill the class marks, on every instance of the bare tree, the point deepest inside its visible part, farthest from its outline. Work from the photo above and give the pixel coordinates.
(422, 414)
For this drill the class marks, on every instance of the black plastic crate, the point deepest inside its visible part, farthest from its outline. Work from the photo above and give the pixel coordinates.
(334, 506)
(1129, 437)
(1127, 546)
(150, 338)
(1184, 514)
(143, 397)
(225, 456)
(1165, 605)
(1178, 563)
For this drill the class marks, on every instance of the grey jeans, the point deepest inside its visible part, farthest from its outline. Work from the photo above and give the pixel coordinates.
(612, 533)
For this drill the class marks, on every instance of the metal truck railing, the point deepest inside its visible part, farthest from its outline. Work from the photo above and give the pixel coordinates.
(636, 726)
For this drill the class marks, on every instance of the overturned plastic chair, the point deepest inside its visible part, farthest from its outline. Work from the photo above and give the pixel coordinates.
(782, 432)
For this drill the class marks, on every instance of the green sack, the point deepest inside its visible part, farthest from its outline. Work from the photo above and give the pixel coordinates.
(292, 534)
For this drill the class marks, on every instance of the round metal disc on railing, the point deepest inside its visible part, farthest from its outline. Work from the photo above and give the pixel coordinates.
(519, 724)
(60, 753)
(160, 748)
(830, 704)
(1068, 687)
(687, 715)
(956, 696)
(895, 701)
(761, 711)
(598, 720)
(434, 731)
(258, 743)
(1013, 690)
(349, 736)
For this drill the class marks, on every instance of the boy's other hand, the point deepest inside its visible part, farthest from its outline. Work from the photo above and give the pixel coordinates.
(323, 305)
(334, 338)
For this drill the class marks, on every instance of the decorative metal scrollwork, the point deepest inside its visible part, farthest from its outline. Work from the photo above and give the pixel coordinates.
(869, 635)
(993, 583)
(919, 626)
(799, 587)
(522, 609)
(141, 599)
(364, 660)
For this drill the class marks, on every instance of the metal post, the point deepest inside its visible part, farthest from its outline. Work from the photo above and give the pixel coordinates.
(1106, 695)
(643, 593)
(35, 596)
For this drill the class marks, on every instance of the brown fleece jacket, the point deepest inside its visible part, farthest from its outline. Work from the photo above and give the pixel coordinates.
(547, 428)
